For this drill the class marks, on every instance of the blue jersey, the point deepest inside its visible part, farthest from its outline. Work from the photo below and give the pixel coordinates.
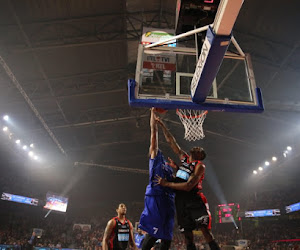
(138, 238)
(157, 218)
(158, 166)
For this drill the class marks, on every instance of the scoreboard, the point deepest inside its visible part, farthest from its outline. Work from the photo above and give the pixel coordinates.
(227, 213)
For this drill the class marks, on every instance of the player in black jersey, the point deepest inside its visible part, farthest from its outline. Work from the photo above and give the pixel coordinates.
(191, 204)
(118, 232)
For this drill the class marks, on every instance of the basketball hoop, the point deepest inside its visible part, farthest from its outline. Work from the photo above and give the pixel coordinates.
(192, 121)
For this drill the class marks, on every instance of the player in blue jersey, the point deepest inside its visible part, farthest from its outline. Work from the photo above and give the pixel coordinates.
(157, 219)
(139, 238)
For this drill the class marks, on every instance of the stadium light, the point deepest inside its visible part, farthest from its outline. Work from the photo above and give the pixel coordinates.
(31, 145)
(30, 153)
(260, 169)
(5, 129)
(18, 141)
(274, 158)
(267, 163)
(24, 147)
(289, 148)
(6, 118)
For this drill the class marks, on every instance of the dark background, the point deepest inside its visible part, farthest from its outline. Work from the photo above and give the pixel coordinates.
(73, 59)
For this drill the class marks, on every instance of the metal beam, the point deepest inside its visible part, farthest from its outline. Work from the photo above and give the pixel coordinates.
(29, 102)
(105, 144)
(113, 168)
(63, 97)
(114, 36)
(236, 140)
(89, 74)
(89, 17)
(68, 45)
(100, 122)
(284, 61)
(44, 75)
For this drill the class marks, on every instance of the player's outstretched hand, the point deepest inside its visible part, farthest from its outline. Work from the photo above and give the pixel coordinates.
(158, 120)
(172, 164)
(160, 181)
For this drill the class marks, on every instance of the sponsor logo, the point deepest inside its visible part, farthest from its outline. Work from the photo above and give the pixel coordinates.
(203, 220)
(199, 68)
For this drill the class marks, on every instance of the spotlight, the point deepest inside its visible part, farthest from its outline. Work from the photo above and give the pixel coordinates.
(18, 141)
(35, 157)
(274, 158)
(254, 172)
(24, 147)
(260, 169)
(267, 163)
(5, 129)
(285, 154)
(6, 118)
(30, 154)
(289, 148)
(31, 145)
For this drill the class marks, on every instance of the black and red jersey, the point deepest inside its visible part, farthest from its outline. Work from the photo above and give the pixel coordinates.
(120, 235)
(185, 170)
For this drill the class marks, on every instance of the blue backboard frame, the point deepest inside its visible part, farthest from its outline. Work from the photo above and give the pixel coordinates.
(136, 100)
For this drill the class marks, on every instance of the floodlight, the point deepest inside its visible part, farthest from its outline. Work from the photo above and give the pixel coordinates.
(30, 153)
(267, 163)
(254, 172)
(5, 129)
(289, 148)
(24, 147)
(6, 118)
(31, 145)
(18, 141)
(35, 157)
(274, 158)
(260, 169)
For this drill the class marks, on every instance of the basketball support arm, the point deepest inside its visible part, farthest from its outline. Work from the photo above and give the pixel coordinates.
(218, 37)
(214, 48)
(215, 45)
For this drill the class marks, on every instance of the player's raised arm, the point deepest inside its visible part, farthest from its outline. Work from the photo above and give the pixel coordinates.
(154, 135)
(170, 139)
(107, 234)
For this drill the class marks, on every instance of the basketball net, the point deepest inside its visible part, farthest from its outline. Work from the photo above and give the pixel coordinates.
(192, 121)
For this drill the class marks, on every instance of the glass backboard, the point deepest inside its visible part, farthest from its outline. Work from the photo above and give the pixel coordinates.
(164, 75)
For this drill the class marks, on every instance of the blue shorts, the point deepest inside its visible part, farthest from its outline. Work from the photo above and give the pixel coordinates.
(157, 219)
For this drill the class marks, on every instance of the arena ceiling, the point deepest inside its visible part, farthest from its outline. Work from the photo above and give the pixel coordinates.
(64, 70)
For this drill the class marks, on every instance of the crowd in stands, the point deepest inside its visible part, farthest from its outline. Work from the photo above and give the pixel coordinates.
(18, 221)
(17, 225)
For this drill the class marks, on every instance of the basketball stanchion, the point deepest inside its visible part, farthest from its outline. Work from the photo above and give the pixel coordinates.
(192, 121)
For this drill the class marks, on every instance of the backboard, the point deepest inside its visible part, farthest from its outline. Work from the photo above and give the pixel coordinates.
(164, 75)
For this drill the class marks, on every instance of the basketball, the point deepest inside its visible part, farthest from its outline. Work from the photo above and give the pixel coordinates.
(160, 110)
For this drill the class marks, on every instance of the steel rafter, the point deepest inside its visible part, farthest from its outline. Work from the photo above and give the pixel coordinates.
(96, 35)
(29, 102)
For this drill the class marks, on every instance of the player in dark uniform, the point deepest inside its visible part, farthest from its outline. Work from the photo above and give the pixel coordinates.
(157, 219)
(118, 232)
(191, 204)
